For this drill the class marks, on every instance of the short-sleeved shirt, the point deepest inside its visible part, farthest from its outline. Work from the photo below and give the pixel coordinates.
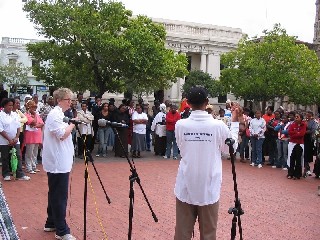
(139, 128)
(9, 123)
(57, 154)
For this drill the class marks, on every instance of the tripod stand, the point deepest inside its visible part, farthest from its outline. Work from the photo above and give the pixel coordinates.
(88, 158)
(236, 210)
(134, 177)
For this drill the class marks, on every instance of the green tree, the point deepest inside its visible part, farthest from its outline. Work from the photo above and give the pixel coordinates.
(200, 78)
(14, 75)
(275, 65)
(99, 46)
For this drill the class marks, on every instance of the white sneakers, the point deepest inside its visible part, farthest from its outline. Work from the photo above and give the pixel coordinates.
(7, 178)
(24, 178)
(259, 165)
(65, 237)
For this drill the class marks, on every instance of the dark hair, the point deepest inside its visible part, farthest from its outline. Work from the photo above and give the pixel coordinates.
(300, 115)
(310, 112)
(121, 105)
(139, 105)
(103, 104)
(84, 103)
(5, 101)
(221, 110)
(292, 113)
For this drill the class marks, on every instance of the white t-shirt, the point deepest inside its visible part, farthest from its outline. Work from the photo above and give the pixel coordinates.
(57, 155)
(139, 128)
(9, 123)
(201, 139)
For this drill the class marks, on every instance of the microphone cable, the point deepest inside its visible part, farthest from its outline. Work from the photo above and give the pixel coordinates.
(92, 190)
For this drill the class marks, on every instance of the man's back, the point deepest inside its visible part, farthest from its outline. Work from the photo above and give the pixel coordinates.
(200, 139)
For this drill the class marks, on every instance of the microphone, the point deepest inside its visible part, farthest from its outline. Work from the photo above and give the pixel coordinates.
(102, 123)
(69, 120)
(117, 124)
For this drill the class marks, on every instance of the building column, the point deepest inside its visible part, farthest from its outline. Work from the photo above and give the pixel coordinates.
(213, 65)
(203, 62)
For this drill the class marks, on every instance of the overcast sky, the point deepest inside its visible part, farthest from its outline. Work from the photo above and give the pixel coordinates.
(252, 16)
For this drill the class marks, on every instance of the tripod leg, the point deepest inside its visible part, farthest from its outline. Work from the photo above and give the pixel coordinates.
(131, 197)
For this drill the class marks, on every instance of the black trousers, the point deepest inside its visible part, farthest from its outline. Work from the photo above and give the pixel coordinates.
(58, 184)
(295, 169)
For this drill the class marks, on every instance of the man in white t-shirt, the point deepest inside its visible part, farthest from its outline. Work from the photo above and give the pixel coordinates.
(200, 139)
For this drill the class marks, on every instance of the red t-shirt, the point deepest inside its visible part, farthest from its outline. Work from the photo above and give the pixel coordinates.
(171, 119)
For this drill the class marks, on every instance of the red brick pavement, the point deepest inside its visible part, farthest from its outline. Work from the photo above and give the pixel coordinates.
(275, 207)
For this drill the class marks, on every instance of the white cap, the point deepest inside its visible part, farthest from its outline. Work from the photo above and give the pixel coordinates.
(162, 106)
(27, 96)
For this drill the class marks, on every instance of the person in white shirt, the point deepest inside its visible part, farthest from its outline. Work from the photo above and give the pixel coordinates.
(158, 126)
(201, 139)
(257, 128)
(140, 120)
(57, 161)
(86, 129)
(9, 138)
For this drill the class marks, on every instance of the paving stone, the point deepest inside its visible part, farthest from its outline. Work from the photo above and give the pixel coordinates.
(275, 207)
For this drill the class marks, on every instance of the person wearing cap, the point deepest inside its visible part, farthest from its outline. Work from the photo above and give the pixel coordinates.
(25, 100)
(201, 139)
(159, 127)
(209, 109)
(46, 108)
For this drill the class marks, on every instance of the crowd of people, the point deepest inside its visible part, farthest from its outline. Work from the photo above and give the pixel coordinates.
(60, 126)
(287, 138)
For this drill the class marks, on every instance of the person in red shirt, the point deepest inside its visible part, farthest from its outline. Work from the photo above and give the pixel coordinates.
(171, 118)
(296, 131)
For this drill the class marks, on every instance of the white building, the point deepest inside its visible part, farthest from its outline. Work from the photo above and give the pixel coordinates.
(202, 43)
(13, 50)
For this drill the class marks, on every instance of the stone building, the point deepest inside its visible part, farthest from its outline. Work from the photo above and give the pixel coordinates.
(13, 50)
(202, 43)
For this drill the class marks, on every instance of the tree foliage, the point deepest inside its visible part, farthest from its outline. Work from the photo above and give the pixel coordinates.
(14, 75)
(99, 46)
(275, 65)
(200, 78)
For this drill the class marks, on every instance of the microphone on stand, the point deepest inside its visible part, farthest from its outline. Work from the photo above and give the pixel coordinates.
(102, 123)
(74, 121)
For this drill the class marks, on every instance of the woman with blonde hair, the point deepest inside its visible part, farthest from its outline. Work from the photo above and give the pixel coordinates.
(32, 136)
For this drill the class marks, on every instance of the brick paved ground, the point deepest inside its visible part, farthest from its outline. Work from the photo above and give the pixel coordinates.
(275, 207)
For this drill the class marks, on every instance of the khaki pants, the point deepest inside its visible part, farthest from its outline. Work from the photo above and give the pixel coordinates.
(186, 215)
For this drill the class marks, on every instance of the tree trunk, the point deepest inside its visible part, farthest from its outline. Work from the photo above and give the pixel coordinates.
(264, 104)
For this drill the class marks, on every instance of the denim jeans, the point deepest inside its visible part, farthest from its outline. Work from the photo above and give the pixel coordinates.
(282, 146)
(148, 139)
(171, 140)
(243, 145)
(106, 138)
(256, 144)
